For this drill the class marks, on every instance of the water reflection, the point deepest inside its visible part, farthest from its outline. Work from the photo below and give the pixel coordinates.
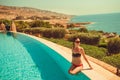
(11, 34)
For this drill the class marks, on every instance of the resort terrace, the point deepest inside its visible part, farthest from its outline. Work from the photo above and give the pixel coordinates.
(101, 70)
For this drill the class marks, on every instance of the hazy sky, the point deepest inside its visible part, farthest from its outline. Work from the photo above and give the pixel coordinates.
(74, 7)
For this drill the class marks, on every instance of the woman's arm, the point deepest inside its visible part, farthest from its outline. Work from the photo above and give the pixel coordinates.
(83, 53)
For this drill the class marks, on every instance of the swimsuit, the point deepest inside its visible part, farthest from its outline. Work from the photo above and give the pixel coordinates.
(76, 54)
(77, 65)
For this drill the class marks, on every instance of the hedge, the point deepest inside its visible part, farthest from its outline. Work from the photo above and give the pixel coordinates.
(54, 33)
(47, 32)
(86, 38)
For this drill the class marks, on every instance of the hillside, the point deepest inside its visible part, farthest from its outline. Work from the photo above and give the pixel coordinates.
(26, 13)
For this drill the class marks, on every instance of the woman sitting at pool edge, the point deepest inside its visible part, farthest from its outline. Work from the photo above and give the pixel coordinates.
(77, 51)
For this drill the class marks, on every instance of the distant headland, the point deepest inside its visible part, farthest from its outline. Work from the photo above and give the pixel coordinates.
(28, 14)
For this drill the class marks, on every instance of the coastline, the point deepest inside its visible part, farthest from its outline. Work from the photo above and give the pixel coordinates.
(101, 22)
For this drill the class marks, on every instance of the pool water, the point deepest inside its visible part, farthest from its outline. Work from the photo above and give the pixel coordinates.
(24, 58)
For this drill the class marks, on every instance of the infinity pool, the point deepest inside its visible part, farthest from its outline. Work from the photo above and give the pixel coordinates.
(24, 58)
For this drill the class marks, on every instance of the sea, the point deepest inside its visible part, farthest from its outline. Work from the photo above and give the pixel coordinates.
(101, 22)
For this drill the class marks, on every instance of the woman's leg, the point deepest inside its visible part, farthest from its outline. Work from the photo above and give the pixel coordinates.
(76, 70)
(71, 68)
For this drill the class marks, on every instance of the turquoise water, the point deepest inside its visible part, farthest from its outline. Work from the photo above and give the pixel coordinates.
(104, 22)
(24, 58)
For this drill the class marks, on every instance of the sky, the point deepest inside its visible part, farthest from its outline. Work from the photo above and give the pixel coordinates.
(71, 7)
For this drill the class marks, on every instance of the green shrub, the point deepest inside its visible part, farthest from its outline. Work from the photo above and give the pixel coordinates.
(34, 30)
(86, 38)
(48, 33)
(37, 30)
(54, 33)
(73, 31)
(95, 32)
(6, 22)
(38, 23)
(114, 60)
(59, 33)
(21, 25)
(28, 30)
(114, 46)
(83, 30)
